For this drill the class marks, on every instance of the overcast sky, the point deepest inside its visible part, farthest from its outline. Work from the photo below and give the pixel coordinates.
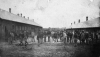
(53, 13)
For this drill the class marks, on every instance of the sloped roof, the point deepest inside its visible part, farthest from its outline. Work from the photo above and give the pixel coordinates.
(88, 24)
(12, 17)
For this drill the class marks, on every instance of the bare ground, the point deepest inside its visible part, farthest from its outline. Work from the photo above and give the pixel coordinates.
(44, 50)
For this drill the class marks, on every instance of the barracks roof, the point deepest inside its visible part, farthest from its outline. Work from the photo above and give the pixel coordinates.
(12, 17)
(87, 24)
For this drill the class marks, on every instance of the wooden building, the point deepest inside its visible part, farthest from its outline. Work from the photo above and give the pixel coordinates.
(87, 24)
(10, 22)
(89, 28)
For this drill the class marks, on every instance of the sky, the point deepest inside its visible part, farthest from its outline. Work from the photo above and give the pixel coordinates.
(54, 13)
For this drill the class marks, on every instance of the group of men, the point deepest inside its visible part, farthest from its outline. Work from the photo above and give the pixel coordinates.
(21, 36)
(83, 36)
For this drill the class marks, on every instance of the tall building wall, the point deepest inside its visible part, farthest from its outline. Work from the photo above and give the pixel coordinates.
(9, 26)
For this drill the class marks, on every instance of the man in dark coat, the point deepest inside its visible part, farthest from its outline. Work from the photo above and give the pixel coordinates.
(11, 38)
(40, 37)
(21, 38)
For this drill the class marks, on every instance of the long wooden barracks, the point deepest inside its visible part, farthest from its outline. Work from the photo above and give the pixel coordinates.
(10, 22)
(93, 23)
(87, 32)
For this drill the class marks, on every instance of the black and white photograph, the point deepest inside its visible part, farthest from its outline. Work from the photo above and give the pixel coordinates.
(49, 28)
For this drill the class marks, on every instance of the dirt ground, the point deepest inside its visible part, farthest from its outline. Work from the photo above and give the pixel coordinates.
(44, 50)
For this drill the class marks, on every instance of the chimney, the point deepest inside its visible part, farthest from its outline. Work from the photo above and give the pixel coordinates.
(87, 18)
(32, 19)
(74, 22)
(21, 14)
(24, 16)
(18, 14)
(79, 21)
(28, 17)
(10, 10)
(71, 23)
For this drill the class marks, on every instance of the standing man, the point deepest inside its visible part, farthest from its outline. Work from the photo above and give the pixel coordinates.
(26, 37)
(64, 37)
(40, 37)
(11, 37)
(21, 38)
(82, 37)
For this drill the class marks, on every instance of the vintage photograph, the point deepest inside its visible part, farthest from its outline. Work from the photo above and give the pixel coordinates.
(49, 28)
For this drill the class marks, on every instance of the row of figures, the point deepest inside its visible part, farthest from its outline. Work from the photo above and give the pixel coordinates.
(13, 37)
(24, 38)
(83, 36)
(66, 36)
